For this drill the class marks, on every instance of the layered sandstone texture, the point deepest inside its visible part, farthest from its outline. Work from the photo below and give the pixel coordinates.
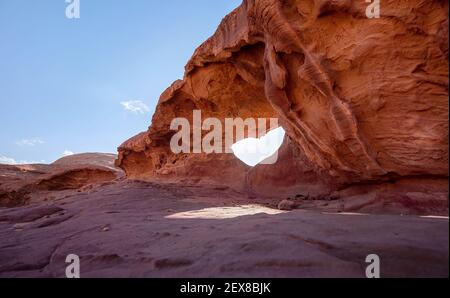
(27, 184)
(362, 100)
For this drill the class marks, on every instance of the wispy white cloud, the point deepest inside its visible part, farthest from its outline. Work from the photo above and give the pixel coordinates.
(30, 142)
(67, 153)
(135, 106)
(7, 160)
(11, 161)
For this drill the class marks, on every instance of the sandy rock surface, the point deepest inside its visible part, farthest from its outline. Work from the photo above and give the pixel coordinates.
(136, 229)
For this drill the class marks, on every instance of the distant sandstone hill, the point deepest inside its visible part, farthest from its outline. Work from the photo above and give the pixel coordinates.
(364, 101)
(21, 184)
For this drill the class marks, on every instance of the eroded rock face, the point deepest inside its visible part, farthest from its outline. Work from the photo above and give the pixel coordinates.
(361, 99)
(25, 184)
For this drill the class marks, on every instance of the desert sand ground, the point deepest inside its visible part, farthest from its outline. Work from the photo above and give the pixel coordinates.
(141, 229)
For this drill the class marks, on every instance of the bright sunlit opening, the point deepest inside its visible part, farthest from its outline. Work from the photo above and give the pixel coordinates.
(253, 151)
(225, 212)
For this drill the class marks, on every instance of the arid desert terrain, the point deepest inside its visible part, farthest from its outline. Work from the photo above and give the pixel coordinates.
(122, 228)
(363, 168)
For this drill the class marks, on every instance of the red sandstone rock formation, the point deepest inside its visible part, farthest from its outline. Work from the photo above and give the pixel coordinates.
(365, 105)
(24, 184)
(362, 100)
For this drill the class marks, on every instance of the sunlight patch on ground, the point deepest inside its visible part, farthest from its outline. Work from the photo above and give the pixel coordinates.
(225, 212)
(435, 217)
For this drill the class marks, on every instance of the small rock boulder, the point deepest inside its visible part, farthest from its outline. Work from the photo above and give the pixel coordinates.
(287, 205)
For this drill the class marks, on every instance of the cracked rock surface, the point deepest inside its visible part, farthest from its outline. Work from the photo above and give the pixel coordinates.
(138, 229)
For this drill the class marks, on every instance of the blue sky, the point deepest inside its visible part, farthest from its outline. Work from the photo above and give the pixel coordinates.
(84, 85)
